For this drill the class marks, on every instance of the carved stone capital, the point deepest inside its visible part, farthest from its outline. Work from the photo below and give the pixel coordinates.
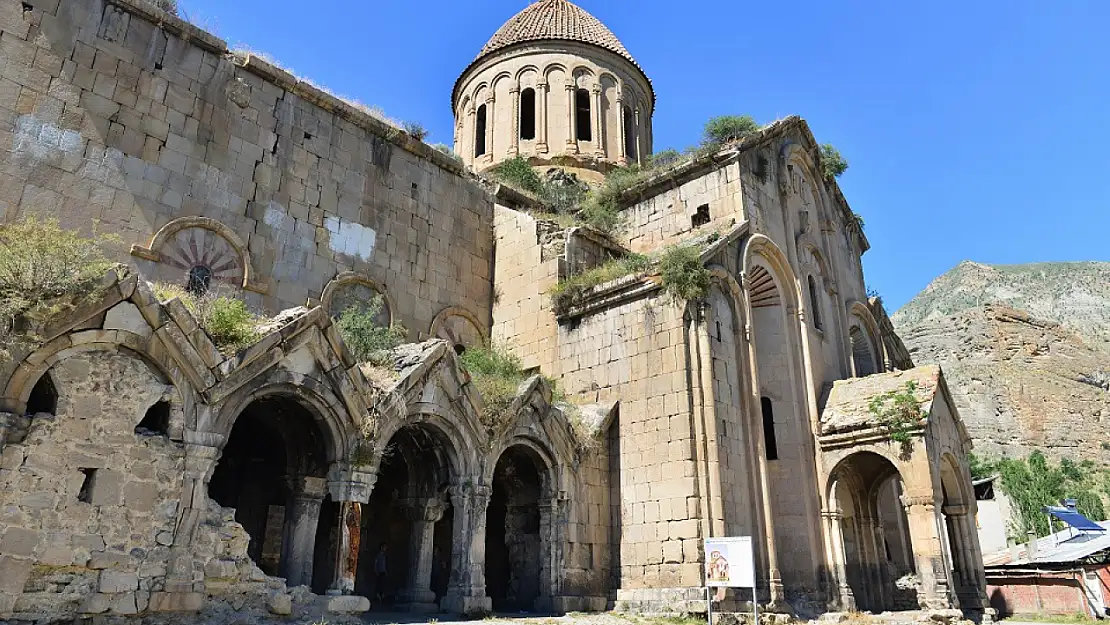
(957, 510)
(926, 501)
(427, 509)
(312, 488)
(350, 483)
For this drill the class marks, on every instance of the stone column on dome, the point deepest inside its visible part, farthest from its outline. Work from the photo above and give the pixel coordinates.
(541, 110)
(639, 137)
(514, 106)
(598, 137)
(622, 151)
(572, 129)
(469, 135)
(491, 117)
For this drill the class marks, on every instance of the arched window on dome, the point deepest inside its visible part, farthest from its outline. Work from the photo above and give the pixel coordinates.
(630, 136)
(480, 132)
(582, 123)
(528, 114)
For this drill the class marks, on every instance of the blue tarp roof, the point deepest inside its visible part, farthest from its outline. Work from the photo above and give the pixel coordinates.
(1074, 519)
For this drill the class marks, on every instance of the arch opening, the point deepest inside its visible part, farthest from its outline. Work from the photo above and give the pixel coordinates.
(272, 471)
(863, 359)
(156, 421)
(878, 564)
(528, 114)
(44, 396)
(784, 425)
(959, 530)
(515, 543)
(407, 529)
(480, 132)
(583, 125)
(630, 142)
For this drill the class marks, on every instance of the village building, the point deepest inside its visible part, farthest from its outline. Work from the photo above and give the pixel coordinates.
(142, 470)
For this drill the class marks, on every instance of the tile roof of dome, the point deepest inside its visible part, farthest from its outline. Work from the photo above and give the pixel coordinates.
(546, 20)
(554, 19)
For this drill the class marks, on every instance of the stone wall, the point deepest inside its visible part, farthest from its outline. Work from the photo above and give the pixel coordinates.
(90, 505)
(129, 119)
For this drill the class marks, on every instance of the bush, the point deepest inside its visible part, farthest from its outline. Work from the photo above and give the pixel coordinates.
(832, 163)
(416, 129)
(227, 320)
(519, 173)
(726, 128)
(446, 149)
(568, 293)
(898, 412)
(665, 158)
(683, 274)
(496, 375)
(367, 340)
(41, 265)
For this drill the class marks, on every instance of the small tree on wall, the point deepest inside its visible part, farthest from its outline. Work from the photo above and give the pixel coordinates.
(832, 163)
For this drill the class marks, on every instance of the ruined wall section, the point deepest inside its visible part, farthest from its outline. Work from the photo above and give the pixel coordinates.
(585, 570)
(129, 119)
(713, 201)
(89, 506)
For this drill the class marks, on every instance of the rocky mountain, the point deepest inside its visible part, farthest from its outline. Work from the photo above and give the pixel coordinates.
(1026, 352)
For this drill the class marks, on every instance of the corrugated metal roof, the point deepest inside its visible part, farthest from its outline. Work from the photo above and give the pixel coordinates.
(1063, 547)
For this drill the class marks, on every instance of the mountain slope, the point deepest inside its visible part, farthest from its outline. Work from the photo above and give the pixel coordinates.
(1037, 378)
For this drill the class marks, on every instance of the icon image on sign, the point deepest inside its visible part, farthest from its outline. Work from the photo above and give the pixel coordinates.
(718, 567)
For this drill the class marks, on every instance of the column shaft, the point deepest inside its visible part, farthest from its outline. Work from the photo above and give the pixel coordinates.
(302, 515)
(514, 143)
(599, 127)
(541, 110)
(572, 128)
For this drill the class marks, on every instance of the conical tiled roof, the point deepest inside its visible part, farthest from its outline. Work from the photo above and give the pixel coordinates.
(554, 19)
(558, 20)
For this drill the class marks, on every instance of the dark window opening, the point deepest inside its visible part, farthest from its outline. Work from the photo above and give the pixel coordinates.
(307, 137)
(528, 114)
(718, 331)
(460, 349)
(200, 279)
(814, 303)
(761, 168)
(85, 494)
(156, 422)
(770, 445)
(27, 8)
(44, 397)
(701, 217)
(480, 132)
(415, 191)
(630, 135)
(583, 126)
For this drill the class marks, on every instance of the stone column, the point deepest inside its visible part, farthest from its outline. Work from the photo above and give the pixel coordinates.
(553, 514)
(423, 513)
(202, 450)
(490, 121)
(469, 133)
(572, 128)
(622, 152)
(514, 95)
(599, 127)
(541, 114)
(466, 593)
(835, 532)
(970, 588)
(350, 487)
(302, 515)
(928, 551)
(639, 137)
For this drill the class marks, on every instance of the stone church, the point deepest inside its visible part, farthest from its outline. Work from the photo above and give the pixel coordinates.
(144, 471)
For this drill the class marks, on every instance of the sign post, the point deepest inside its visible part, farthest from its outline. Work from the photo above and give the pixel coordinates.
(730, 563)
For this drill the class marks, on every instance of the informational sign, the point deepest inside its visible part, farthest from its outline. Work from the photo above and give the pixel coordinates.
(729, 562)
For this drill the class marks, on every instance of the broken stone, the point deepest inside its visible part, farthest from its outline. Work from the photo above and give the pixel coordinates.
(118, 581)
(280, 604)
(95, 604)
(348, 604)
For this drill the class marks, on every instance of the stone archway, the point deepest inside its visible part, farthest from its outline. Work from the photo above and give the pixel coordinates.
(407, 537)
(272, 471)
(870, 532)
(958, 522)
(518, 533)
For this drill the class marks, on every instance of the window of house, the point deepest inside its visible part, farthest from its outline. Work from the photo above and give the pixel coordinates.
(480, 132)
(770, 444)
(815, 304)
(584, 129)
(630, 135)
(528, 114)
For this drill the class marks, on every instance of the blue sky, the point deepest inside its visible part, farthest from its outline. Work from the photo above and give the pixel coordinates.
(975, 130)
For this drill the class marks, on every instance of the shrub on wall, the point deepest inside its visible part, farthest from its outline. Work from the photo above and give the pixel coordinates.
(226, 319)
(569, 292)
(832, 163)
(683, 274)
(726, 128)
(45, 270)
(368, 340)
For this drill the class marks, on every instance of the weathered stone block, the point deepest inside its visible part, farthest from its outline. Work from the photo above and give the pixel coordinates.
(124, 604)
(126, 316)
(18, 541)
(107, 560)
(280, 604)
(176, 601)
(13, 575)
(220, 569)
(95, 604)
(140, 496)
(348, 604)
(112, 581)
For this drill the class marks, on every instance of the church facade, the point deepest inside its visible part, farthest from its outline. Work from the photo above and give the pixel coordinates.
(144, 471)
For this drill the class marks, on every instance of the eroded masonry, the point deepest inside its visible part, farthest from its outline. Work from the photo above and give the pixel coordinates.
(144, 471)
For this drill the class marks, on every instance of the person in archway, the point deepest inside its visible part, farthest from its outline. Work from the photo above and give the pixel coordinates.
(380, 568)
